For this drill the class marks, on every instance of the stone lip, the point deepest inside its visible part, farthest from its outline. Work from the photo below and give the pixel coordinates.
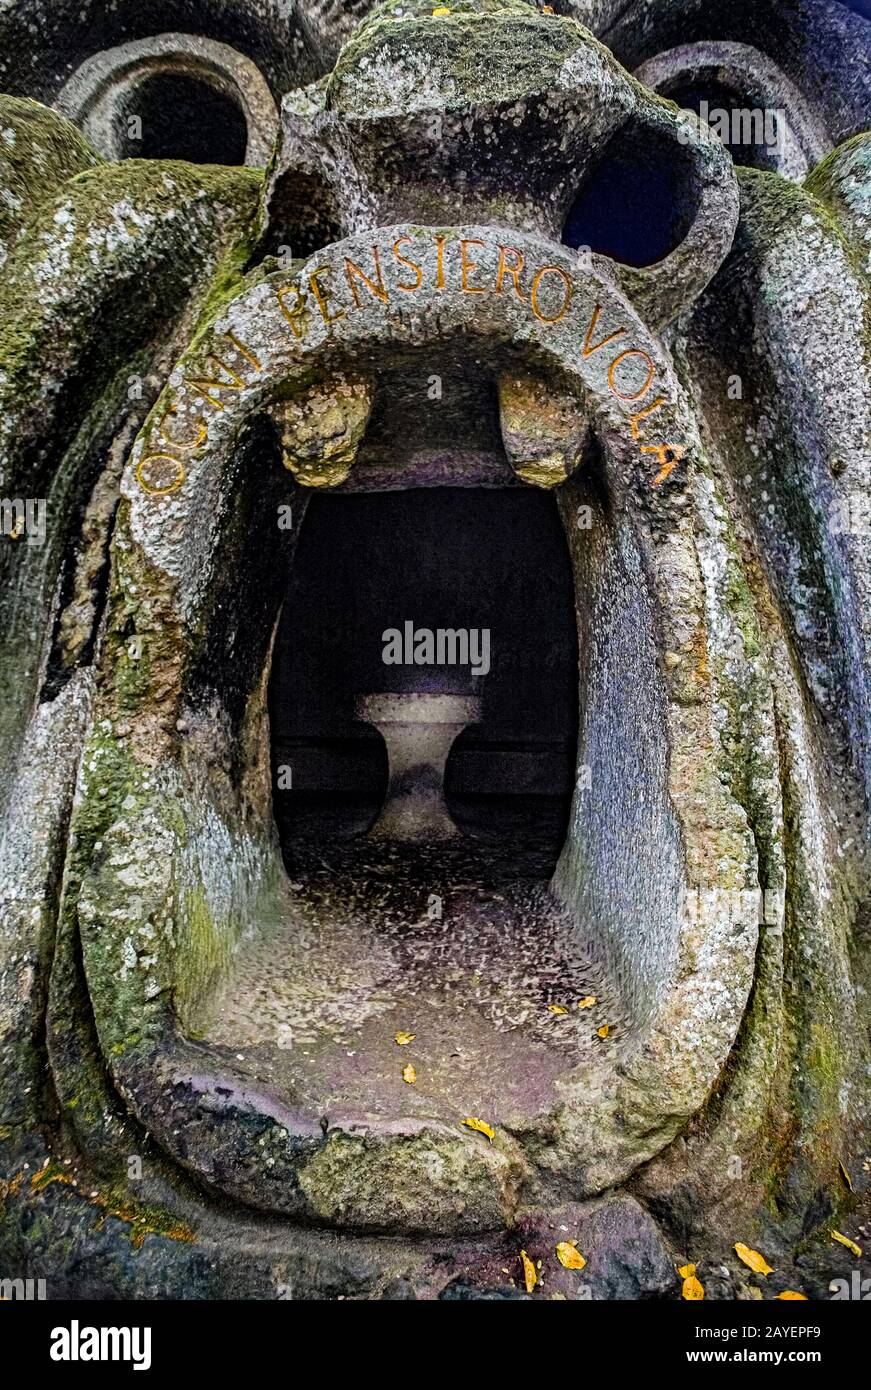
(416, 1175)
(803, 139)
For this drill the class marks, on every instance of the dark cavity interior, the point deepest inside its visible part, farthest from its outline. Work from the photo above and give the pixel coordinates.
(637, 203)
(445, 558)
(459, 941)
(188, 118)
(746, 137)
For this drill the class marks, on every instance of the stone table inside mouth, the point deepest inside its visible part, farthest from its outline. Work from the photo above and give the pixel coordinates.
(418, 729)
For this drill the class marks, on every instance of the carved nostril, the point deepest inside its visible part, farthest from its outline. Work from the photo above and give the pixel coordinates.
(173, 96)
(638, 201)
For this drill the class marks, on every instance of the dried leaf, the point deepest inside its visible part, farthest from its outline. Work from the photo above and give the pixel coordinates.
(790, 1294)
(752, 1259)
(692, 1290)
(604, 1030)
(587, 1002)
(687, 1271)
(556, 1009)
(569, 1255)
(409, 1074)
(846, 1176)
(404, 1039)
(850, 1244)
(480, 1127)
(530, 1278)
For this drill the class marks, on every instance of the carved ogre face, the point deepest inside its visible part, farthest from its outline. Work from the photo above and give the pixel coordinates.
(434, 1017)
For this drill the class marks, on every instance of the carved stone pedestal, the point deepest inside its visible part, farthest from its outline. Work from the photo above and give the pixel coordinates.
(419, 730)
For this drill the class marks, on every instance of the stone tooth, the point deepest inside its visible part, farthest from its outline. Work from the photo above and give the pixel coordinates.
(543, 429)
(321, 430)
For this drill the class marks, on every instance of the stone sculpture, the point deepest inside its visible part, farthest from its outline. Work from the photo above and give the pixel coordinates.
(674, 336)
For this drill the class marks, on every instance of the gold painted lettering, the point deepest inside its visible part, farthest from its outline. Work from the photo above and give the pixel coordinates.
(375, 286)
(296, 313)
(184, 446)
(514, 271)
(668, 455)
(533, 294)
(320, 295)
(403, 260)
(467, 267)
(642, 415)
(159, 474)
(246, 352)
(621, 357)
(589, 346)
(235, 382)
(440, 262)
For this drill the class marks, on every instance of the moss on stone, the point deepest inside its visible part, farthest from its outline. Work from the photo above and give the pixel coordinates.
(39, 151)
(200, 961)
(477, 52)
(143, 1219)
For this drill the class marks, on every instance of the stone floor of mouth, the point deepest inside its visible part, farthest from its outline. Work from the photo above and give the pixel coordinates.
(460, 944)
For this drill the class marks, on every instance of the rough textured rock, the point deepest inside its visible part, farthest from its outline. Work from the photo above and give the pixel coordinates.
(484, 253)
(39, 151)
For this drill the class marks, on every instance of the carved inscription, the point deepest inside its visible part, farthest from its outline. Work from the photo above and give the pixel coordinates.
(331, 293)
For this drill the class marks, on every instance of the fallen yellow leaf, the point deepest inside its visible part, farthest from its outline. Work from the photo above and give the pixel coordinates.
(480, 1127)
(587, 1002)
(686, 1271)
(604, 1030)
(409, 1074)
(530, 1278)
(846, 1176)
(789, 1294)
(850, 1244)
(569, 1255)
(692, 1290)
(404, 1039)
(752, 1259)
(556, 1009)
(440, 11)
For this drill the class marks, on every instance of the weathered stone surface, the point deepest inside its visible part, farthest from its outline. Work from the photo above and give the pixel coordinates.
(414, 1177)
(843, 181)
(801, 139)
(626, 1254)
(507, 140)
(43, 41)
(540, 430)
(432, 314)
(322, 429)
(39, 151)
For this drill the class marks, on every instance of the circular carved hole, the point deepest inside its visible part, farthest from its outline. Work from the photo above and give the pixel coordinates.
(749, 132)
(638, 203)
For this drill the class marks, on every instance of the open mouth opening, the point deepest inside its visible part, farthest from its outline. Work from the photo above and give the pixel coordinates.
(184, 117)
(431, 870)
(423, 706)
